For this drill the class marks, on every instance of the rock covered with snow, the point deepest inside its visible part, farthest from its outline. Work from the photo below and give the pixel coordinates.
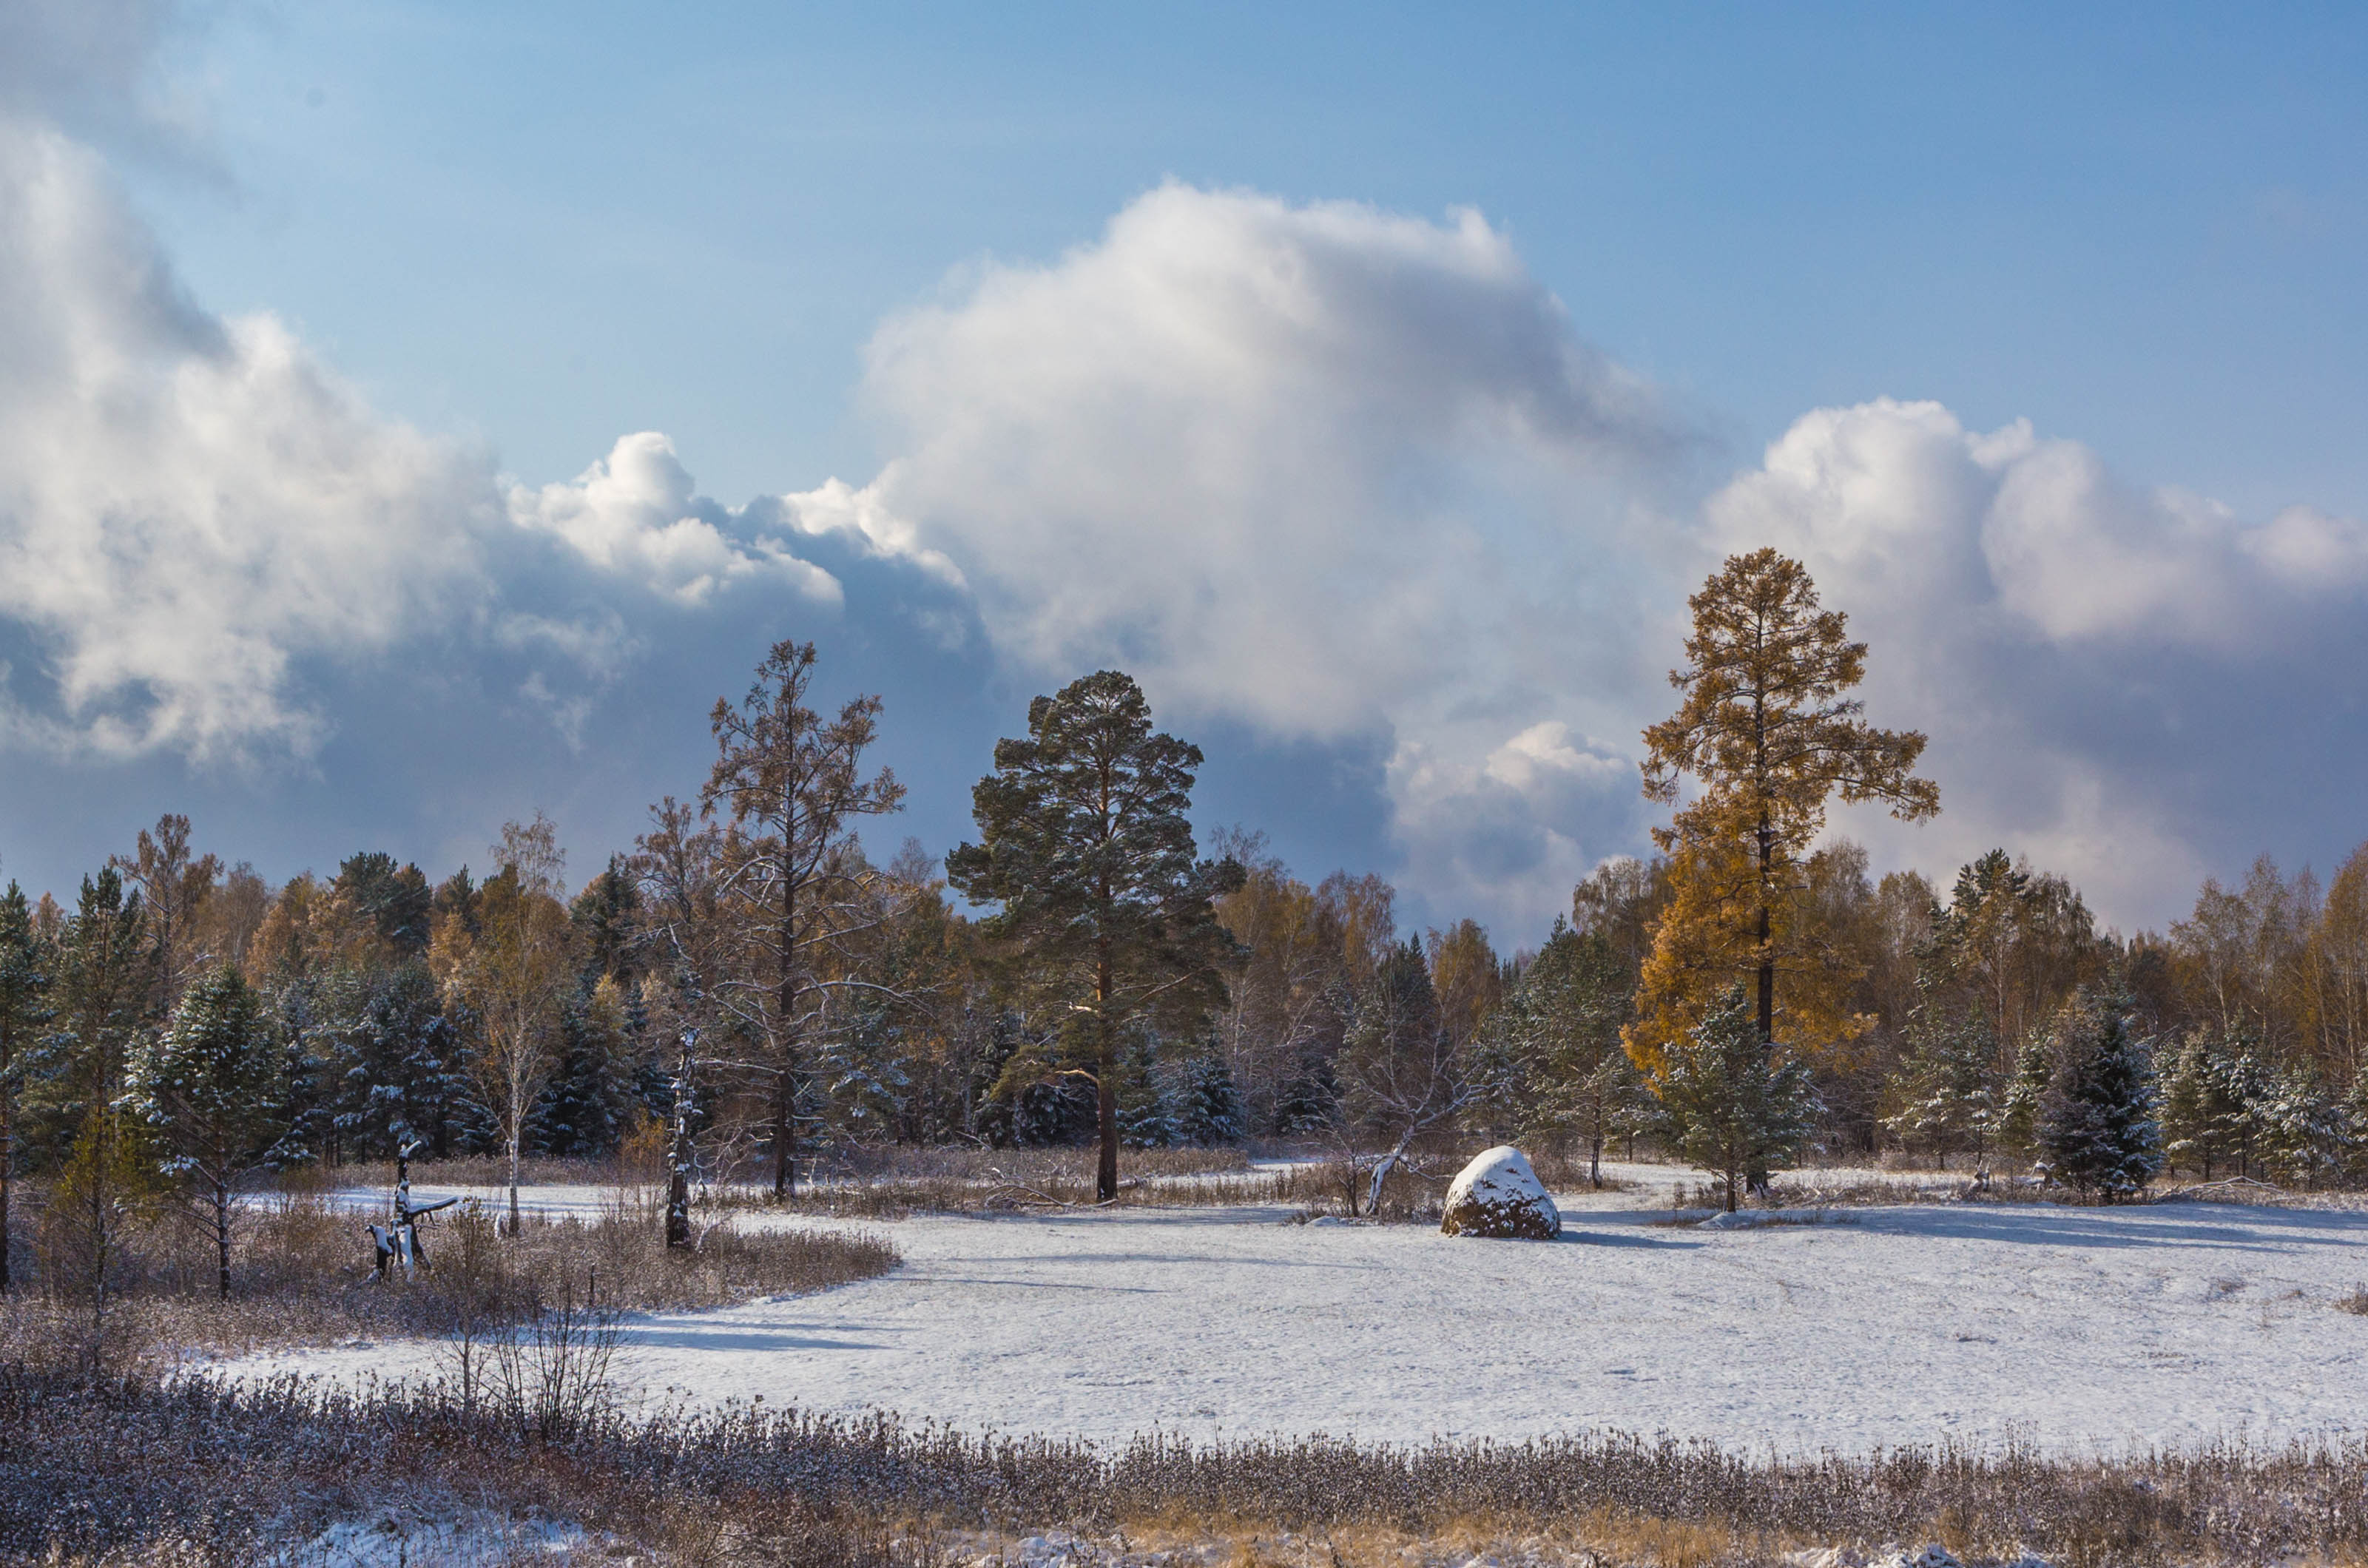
(1499, 1195)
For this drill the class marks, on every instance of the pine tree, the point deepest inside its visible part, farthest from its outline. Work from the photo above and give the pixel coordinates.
(1086, 843)
(24, 1008)
(395, 899)
(2097, 1126)
(1733, 1107)
(207, 1088)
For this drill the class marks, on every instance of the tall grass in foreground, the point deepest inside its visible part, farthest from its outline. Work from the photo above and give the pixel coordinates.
(126, 1468)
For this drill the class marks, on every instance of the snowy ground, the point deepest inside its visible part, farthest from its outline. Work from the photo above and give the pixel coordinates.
(2076, 1327)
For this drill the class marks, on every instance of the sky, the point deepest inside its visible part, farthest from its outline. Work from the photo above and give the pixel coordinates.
(415, 416)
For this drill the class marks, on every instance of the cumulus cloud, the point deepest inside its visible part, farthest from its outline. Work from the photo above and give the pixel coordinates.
(195, 511)
(186, 504)
(637, 514)
(1322, 468)
(2108, 671)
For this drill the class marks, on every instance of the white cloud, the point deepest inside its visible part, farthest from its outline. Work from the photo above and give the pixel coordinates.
(637, 514)
(1322, 468)
(186, 504)
(2085, 652)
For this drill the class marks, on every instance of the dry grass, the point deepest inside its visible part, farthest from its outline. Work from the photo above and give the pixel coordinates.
(301, 1274)
(122, 1470)
(2356, 1302)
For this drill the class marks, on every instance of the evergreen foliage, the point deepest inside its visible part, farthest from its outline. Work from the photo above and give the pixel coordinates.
(23, 1009)
(1212, 1115)
(1732, 1106)
(2218, 1103)
(2095, 1129)
(208, 1088)
(1946, 1086)
(1085, 843)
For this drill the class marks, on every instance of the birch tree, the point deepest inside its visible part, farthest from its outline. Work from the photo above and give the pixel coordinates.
(513, 972)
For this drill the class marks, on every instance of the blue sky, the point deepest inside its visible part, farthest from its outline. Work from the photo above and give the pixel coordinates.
(826, 243)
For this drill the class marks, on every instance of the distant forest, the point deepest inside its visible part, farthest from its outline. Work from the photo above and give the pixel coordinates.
(1141, 987)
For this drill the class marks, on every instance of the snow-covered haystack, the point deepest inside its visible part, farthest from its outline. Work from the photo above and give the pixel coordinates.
(1499, 1195)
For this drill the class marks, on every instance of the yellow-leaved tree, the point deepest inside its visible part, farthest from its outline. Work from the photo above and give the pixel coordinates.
(1768, 737)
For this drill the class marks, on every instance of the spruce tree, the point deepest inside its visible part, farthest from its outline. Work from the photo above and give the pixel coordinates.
(1212, 1105)
(24, 1008)
(1946, 1088)
(2096, 1128)
(1148, 1116)
(2034, 1068)
(207, 1088)
(1732, 1107)
(2304, 1132)
(2217, 1097)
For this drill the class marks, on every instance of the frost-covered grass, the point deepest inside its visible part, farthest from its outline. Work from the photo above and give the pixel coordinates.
(201, 1474)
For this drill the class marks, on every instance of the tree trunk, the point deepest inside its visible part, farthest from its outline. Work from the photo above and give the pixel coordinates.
(1382, 1172)
(222, 1237)
(1595, 1159)
(1105, 1081)
(785, 1131)
(678, 1215)
(515, 1132)
(785, 1092)
(8, 1158)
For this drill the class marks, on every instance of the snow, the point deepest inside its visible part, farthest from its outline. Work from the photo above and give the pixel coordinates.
(2071, 1328)
(473, 1537)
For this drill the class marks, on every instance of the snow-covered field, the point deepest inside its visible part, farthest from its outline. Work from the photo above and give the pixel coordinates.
(2077, 1328)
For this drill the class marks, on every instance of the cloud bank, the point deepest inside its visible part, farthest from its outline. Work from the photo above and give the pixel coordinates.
(1346, 482)
(2122, 681)
(1327, 470)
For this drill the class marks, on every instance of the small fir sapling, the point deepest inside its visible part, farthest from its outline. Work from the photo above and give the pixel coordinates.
(2096, 1128)
(1212, 1105)
(1733, 1106)
(207, 1090)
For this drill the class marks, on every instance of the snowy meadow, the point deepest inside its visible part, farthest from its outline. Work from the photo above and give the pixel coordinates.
(1849, 1329)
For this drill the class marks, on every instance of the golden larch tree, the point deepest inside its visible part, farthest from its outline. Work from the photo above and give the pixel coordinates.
(1768, 737)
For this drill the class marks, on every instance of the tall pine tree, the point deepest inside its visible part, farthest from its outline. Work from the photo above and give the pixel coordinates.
(1086, 844)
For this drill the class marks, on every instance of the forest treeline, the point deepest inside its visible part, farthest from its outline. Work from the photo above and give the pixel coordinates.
(1110, 976)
